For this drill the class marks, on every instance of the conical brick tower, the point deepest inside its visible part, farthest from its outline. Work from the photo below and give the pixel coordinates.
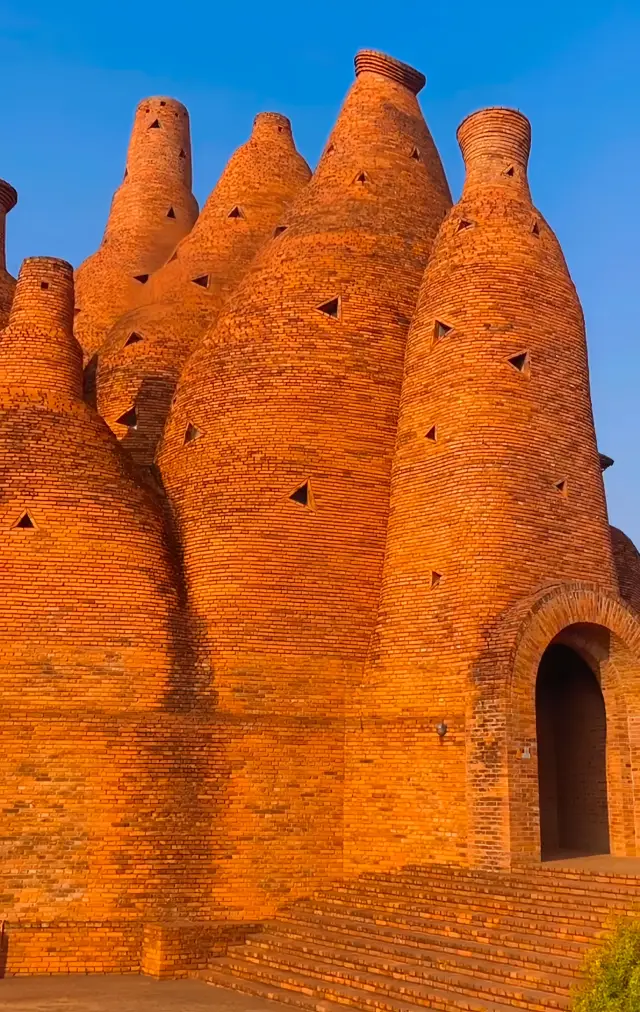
(140, 362)
(496, 493)
(92, 648)
(276, 457)
(8, 200)
(151, 212)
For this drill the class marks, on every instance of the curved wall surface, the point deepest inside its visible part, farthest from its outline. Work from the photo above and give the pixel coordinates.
(140, 362)
(276, 459)
(151, 211)
(496, 491)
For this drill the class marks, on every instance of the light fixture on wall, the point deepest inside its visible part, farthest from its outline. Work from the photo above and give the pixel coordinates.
(442, 729)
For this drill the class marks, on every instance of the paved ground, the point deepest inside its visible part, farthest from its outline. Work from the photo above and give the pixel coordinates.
(129, 993)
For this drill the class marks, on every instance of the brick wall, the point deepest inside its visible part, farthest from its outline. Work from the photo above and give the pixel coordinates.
(184, 297)
(151, 211)
(299, 383)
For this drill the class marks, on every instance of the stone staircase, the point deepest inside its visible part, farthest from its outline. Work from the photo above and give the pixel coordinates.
(431, 937)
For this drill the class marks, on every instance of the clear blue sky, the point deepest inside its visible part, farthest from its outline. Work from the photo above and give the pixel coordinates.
(71, 74)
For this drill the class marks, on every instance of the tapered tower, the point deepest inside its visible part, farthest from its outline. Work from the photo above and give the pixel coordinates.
(8, 200)
(496, 493)
(151, 212)
(276, 457)
(92, 648)
(140, 362)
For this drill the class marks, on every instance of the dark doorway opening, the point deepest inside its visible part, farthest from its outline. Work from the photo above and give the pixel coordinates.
(572, 773)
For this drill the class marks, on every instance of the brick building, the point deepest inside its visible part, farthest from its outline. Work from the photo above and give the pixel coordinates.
(323, 600)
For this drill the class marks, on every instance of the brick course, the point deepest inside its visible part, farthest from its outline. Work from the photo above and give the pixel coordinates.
(8, 200)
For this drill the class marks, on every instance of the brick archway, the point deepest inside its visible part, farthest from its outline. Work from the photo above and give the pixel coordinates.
(502, 769)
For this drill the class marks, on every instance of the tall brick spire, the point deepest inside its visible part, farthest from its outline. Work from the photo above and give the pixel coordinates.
(496, 492)
(151, 212)
(91, 641)
(8, 200)
(140, 362)
(276, 457)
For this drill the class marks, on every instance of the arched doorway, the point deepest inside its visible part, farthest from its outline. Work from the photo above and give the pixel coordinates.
(572, 776)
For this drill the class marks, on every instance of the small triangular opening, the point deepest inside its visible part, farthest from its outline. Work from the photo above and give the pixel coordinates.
(331, 308)
(279, 229)
(520, 362)
(236, 212)
(435, 578)
(25, 523)
(133, 338)
(182, 154)
(561, 487)
(174, 256)
(76, 310)
(441, 330)
(191, 433)
(155, 125)
(464, 223)
(129, 418)
(302, 494)
(535, 228)
(142, 278)
(432, 434)
(331, 148)
(510, 171)
(415, 154)
(171, 213)
(361, 178)
(203, 281)
(126, 173)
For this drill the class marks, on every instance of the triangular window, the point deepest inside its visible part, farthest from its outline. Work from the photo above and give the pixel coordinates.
(182, 154)
(441, 330)
(236, 212)
(279, 229)
(25, 523)
(203, 281)
(562, 487)
(302, 495)
(331, 308)
(463, 224)
(510, 171)
(535, 228)
(133, 338)
(361, 178)
(432, 434)
(142, 278)
(436, 578)
(415, 154)
(191, 433)
(129, 418)
(520, 362)
(171, 213)
(155, 125)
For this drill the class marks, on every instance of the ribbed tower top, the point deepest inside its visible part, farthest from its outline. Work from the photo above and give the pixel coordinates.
(37, 348)
(273, 121)
(8, 196)
(497, 132)
(379, 63)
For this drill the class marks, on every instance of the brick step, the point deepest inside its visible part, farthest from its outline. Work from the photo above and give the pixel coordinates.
(329, 978)
(417, 898)
(416, 965)
(554, 878)
(499, 890)
(311, 998)
(384, 941)
(390, 913)
(524, 939)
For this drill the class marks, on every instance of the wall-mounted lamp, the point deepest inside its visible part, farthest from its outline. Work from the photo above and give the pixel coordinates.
(442, 729)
